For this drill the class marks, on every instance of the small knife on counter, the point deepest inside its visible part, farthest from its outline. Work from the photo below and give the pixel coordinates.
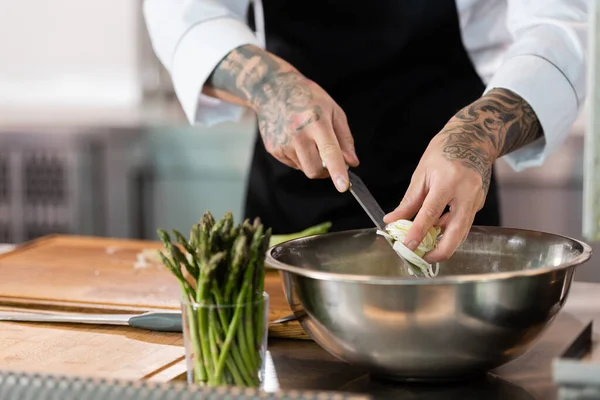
(153, 321)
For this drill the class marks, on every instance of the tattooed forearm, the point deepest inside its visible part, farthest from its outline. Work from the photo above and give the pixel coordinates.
(281, 96)
(525, 127)
(243, 73)
(497, 124)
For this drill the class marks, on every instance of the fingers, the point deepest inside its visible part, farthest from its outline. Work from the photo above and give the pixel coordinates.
(284, 159)
(331, 154)
(344, 137)
(309, 159)
(458, 224)
(411, 202)
(429, 214)
(289, 155)
(311, 130)
(443, 221)
(314, 136)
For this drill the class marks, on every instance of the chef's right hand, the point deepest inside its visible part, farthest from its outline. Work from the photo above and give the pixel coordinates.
(300, 124)
(303, 127)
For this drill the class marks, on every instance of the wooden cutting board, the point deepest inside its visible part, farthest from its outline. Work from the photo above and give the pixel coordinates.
(86, 350)
(103, 275)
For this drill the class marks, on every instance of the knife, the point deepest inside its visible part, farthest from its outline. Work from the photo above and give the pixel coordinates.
(154, 321)
(366, 200)
(369, 204)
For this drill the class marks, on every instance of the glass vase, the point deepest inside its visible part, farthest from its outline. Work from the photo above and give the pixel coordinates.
(225, 344)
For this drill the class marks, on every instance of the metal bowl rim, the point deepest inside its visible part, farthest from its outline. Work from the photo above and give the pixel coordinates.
(440, 280)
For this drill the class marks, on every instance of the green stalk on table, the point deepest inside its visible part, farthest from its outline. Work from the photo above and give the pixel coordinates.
(310, 231)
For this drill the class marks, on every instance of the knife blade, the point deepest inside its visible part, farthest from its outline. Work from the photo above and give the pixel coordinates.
(363, 196)
(366, 200)
(154, 321)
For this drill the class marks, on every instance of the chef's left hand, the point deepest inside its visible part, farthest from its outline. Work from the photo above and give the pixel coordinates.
(456, 168)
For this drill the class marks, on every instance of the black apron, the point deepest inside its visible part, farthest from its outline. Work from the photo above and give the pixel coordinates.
(399, 71)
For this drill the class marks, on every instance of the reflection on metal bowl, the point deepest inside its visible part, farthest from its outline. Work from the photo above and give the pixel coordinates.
(490, 302)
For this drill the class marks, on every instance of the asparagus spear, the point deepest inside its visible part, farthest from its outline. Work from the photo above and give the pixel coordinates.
(238, 257)
(251, 298)
(206, 270)
(260, 285)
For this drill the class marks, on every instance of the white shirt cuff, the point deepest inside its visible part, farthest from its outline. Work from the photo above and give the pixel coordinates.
(550, 95)
(197, 54)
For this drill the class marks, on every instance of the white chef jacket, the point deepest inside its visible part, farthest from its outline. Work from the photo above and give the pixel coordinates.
(536, 48)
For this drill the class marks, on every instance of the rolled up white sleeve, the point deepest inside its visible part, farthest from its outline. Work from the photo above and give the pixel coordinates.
(190, 38)
(545, 65)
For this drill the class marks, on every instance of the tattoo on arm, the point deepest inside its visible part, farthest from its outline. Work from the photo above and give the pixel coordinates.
(281, 96)
(497, 124)
(243, 71)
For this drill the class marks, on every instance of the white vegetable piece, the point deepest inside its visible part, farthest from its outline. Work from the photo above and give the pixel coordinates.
(396, 231)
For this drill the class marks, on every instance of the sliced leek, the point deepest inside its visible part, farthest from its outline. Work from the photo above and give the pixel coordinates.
(396, 232)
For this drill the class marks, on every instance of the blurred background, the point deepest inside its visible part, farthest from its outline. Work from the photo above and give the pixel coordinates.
(93, 141)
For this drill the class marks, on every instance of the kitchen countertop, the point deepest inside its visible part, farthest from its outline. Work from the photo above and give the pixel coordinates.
(305, 365)
(301, 364)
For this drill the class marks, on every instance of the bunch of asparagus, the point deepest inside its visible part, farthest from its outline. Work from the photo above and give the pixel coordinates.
(221, 272)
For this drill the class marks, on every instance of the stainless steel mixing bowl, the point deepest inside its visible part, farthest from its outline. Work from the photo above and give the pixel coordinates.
(490, 302)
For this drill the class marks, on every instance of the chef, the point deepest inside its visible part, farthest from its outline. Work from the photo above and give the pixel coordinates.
(418, 97)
